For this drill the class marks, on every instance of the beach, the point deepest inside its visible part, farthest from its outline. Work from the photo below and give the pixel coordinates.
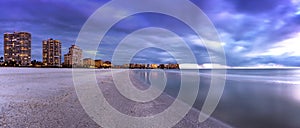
(41, 97)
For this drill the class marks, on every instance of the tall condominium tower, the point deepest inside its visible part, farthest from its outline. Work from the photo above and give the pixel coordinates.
(51, 52)
(17, 48)
(74, 57)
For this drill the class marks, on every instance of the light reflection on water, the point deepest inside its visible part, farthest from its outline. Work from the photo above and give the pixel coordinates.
(296, 92)
(251, 98)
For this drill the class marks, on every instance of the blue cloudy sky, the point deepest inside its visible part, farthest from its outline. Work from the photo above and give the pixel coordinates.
(253, 32)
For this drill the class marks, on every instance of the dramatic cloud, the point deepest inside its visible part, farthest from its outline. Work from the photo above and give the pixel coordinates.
(46, 19)
(258, 31)
(253, 32)
(257, 6)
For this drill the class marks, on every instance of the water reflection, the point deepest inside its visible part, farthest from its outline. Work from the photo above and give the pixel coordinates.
(296, 92)
(251, 98)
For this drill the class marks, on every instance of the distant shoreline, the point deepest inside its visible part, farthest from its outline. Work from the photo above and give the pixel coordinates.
(242, 68)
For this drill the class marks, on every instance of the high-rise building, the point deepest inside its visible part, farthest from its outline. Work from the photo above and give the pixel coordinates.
(88, 63)
(51, 52)
(17, 48)
(74, 57)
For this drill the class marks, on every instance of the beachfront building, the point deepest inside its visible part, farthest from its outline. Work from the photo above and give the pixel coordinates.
(51, 53)
(74, 57)
(17, 48)
(88, 63)
(172, 66)
(161, 66)
(98, 63)
(153, 66)
(137, 66)
(107, 64)
(125, 65)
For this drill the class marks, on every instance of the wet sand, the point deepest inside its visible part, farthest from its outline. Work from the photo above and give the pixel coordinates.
(42, 98)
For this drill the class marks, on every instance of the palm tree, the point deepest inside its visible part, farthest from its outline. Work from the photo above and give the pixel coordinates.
(1, 59)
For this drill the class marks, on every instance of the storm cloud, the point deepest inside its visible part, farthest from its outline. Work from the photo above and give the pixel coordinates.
(253, 32)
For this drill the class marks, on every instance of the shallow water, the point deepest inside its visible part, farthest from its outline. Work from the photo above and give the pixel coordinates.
(251, 98)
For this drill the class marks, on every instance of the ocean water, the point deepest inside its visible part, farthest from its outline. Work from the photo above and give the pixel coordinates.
(251, 98)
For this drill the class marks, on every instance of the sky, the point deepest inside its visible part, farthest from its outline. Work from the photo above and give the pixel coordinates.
(252, 32)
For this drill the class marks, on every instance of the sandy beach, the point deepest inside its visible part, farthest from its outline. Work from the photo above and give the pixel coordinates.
(42, 98)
